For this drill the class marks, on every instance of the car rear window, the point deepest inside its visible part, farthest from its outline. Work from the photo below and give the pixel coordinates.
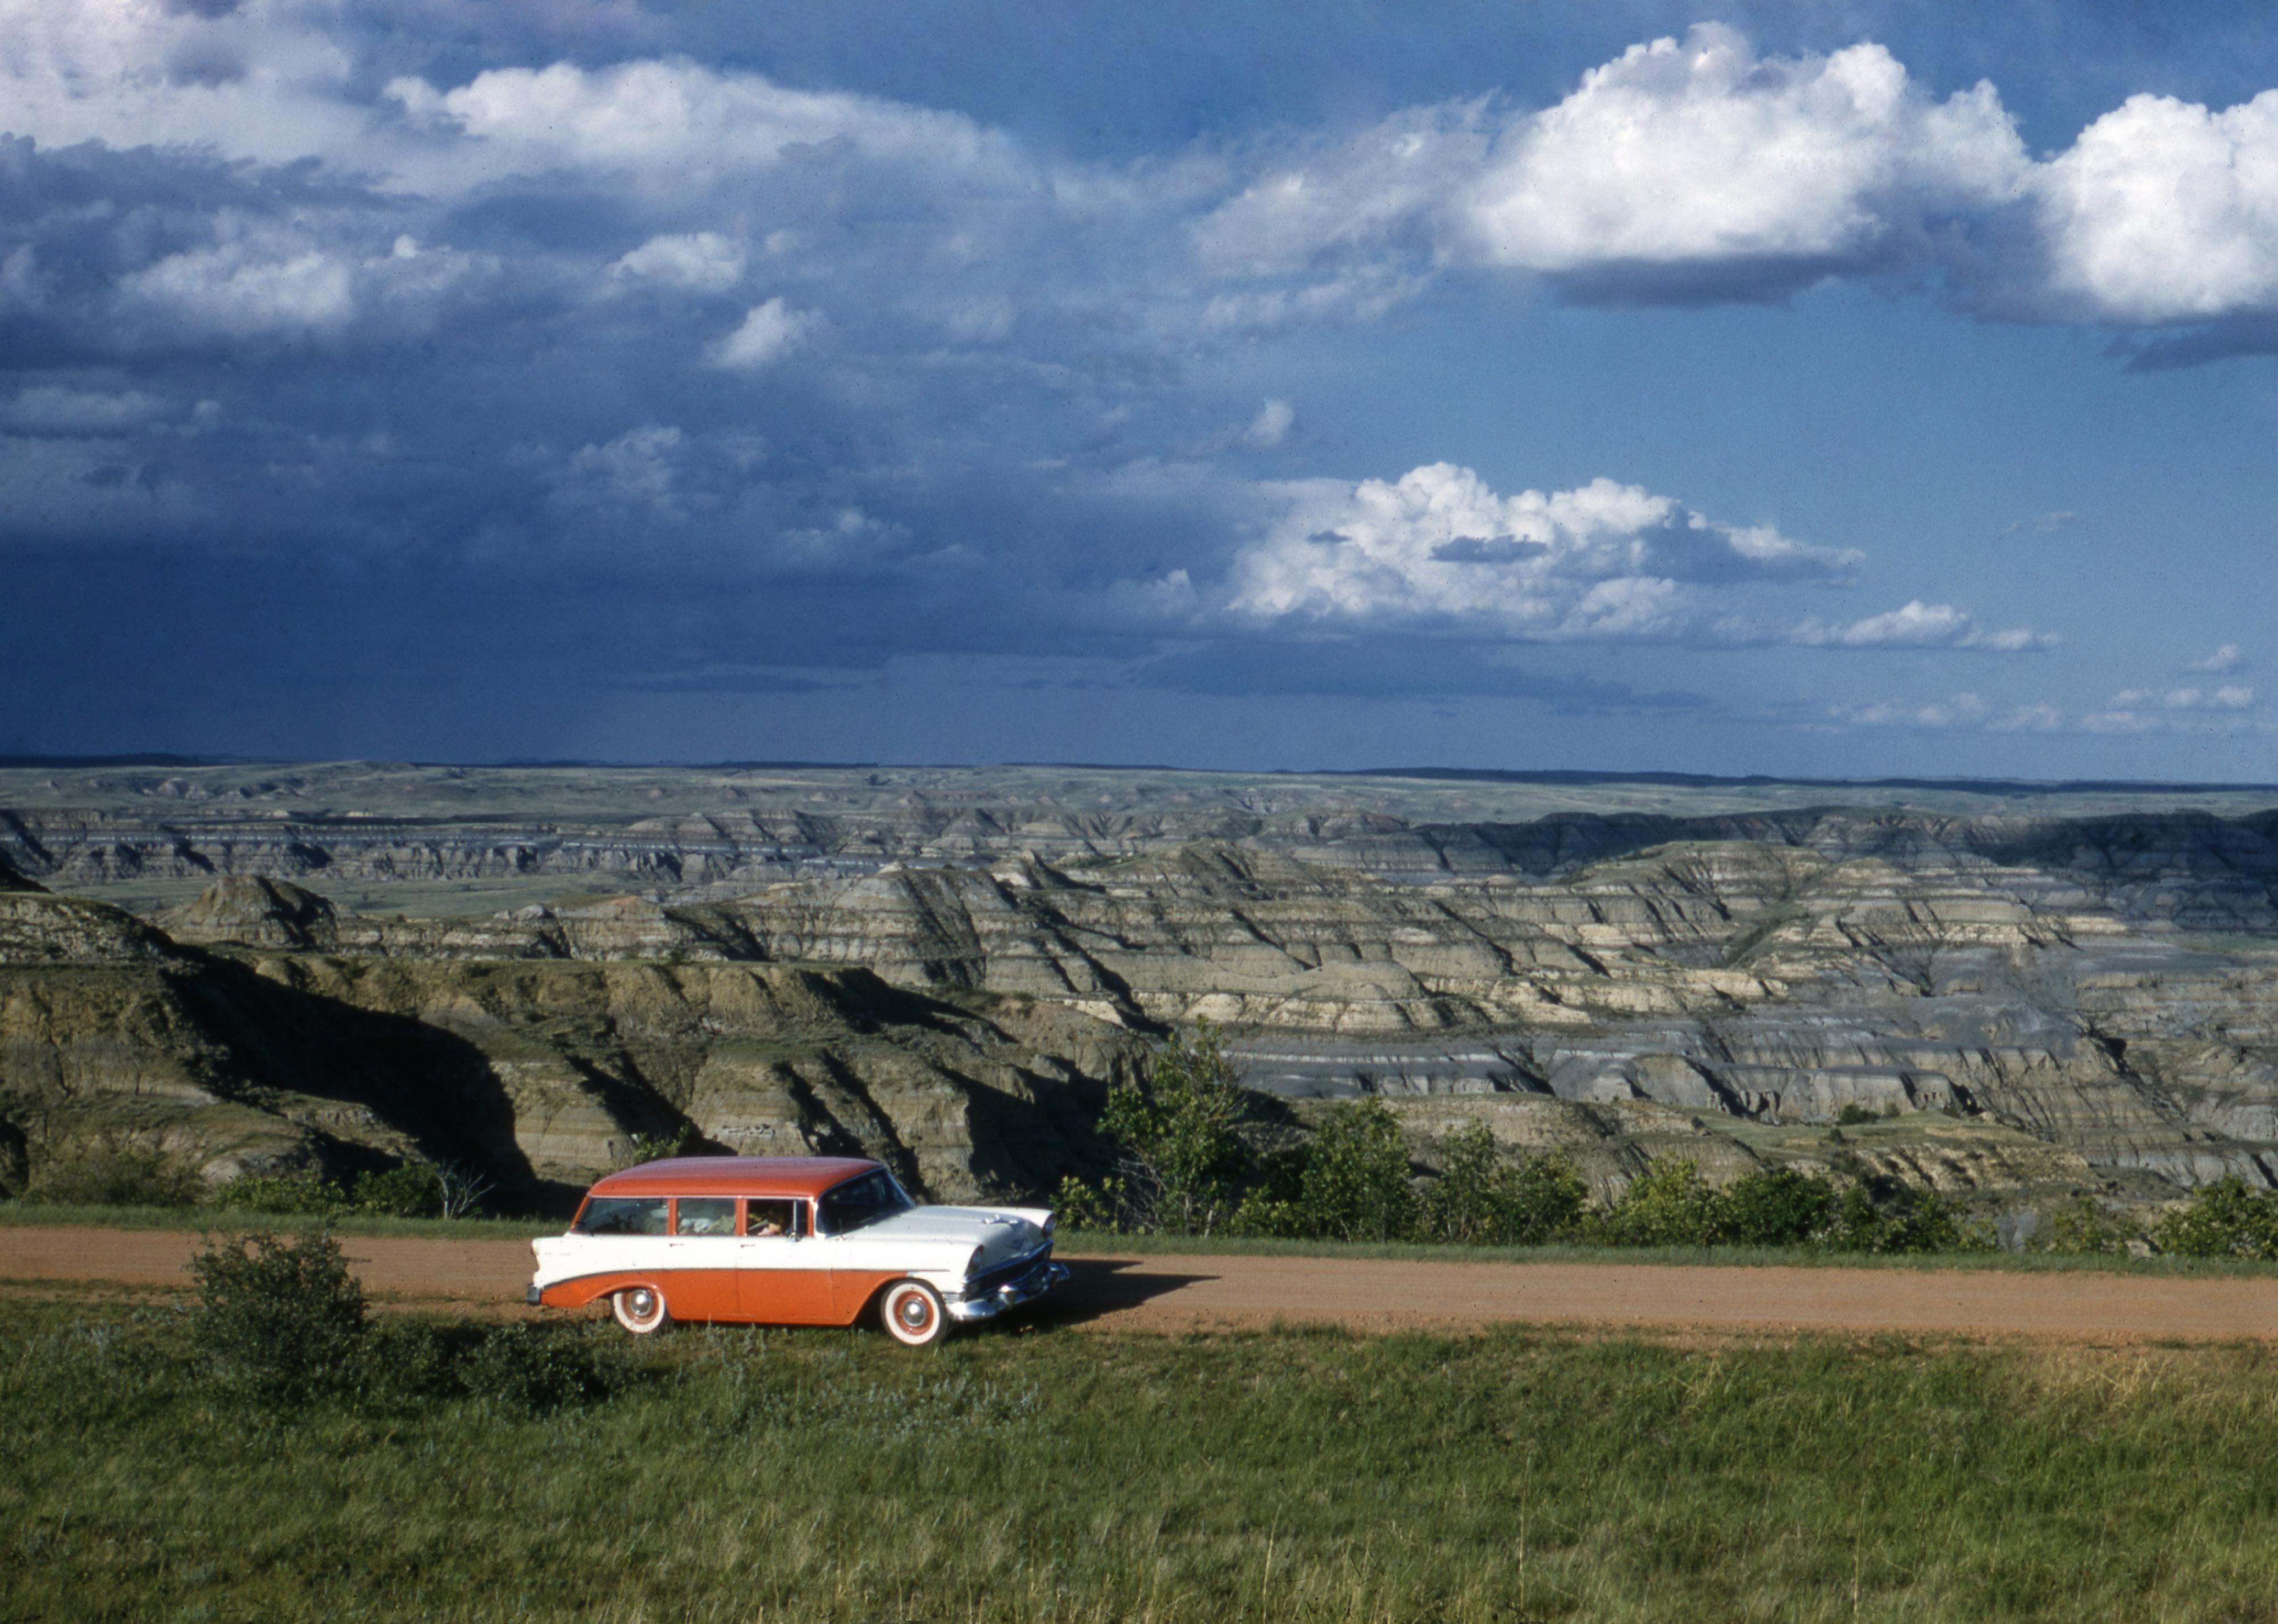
(622, 1215)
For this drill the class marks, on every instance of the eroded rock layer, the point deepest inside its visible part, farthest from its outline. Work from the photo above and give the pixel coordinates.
(2018, 994)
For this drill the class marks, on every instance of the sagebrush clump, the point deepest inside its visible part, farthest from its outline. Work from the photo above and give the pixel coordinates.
(278, 1315)
(280, 1319)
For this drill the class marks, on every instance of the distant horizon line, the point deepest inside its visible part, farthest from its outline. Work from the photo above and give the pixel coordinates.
(1491, 775)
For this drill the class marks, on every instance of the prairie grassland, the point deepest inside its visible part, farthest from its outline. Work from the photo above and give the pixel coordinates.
(825, 1476)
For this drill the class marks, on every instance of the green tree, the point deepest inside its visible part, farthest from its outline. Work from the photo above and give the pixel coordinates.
(1775, 1207)
(1905, 1220)
(1177, 1130)
(1667, 1204)
(1355, 1184)
(2222, 1220)
(1480, 1199)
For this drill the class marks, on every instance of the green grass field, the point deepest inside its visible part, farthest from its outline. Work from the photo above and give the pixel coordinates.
(1072, 1475)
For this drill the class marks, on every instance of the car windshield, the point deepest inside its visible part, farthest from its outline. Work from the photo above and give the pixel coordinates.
(863, 1201)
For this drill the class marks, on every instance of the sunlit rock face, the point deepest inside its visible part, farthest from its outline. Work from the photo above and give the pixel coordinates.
(545, 1074)
(948, 973)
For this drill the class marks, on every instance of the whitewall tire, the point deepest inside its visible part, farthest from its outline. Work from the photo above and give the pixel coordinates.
(914, 1314)
(641, 1310)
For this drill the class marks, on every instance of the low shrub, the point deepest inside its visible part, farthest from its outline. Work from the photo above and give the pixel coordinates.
(281, 1320)
(1903, 1219)
(526, 1369)
(278, 1315)
(1480, 1199)
(2086, 1228)
(413, 1189)
(115, 1175)
(1777, 1207)
(533, 1369)
(302, 1194)
(1667, 1204)
(2222, 1220)
(1088, 1206)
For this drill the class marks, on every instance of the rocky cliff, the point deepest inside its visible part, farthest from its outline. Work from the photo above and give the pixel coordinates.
(542, 1074)
(2027, 992)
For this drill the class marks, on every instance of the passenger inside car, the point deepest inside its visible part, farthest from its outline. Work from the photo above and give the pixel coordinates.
(707, 1216)
(762, 1219)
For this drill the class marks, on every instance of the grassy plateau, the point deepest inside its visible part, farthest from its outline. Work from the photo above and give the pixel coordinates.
(1059, 1474)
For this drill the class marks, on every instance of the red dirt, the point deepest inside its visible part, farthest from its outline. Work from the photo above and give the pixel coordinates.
(1184, 1293)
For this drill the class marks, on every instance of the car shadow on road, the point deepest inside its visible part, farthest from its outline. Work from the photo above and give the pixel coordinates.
(1099, 1286)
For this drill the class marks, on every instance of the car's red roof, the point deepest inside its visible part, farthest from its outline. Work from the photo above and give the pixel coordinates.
(745, 1176)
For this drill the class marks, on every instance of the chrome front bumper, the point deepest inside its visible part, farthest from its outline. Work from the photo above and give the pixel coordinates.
(987, 1305)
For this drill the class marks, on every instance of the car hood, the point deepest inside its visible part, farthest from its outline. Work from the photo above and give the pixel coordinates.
(1000, 1235)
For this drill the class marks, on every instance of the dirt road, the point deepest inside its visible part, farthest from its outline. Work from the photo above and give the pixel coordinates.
(1182, 1294)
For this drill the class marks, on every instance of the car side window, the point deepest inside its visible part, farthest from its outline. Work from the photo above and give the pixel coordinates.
(622, 1215)
(762, 1219)
(705, 1215)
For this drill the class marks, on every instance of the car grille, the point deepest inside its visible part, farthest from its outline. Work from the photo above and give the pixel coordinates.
(1005, 1273)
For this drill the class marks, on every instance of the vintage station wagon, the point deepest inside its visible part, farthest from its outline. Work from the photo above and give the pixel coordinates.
(790, 1240)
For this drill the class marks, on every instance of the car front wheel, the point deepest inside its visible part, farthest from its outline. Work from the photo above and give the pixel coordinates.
(914, 1314)
(640, 1310)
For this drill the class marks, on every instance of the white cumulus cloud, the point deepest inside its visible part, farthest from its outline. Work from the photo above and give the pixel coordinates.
(1917, 625)
(769, 332)
(701, 261)
(1695, 153)
(242, 290)
(682, 125)
(1703, 150)
(1272, 424)
(2165, 210)
(1605, 560)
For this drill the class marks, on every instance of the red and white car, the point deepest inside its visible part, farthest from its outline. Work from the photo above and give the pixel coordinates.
(790, 1240)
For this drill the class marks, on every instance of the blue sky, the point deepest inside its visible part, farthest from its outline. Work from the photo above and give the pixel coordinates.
(1797, 388)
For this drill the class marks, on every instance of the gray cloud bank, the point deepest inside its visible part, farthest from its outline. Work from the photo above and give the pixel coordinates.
(794, 378)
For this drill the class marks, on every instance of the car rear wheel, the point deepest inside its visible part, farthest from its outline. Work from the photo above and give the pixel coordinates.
(640, 1310)
(914, 1314)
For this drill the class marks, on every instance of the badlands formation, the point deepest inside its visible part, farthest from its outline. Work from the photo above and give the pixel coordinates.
(2030, 991)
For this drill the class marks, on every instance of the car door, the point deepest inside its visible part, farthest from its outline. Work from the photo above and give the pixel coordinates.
(700, 1257)
(782, 1273)
(860, 1261)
